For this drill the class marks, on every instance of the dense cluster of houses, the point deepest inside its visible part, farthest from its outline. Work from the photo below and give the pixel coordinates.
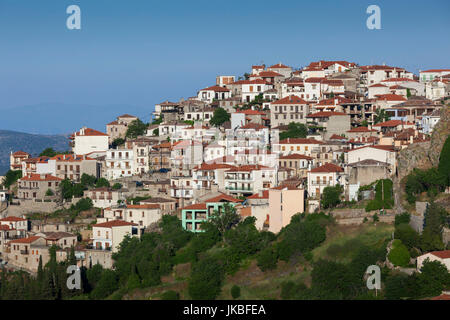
(357, 119)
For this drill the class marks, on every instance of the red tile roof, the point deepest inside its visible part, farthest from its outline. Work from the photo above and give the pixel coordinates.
(325, 114)
(300, 141)
(267, 74)
(26, 240)
(21, 154)
(279, 66)
(397, 79)
(70, 157)
(361, 129)
(435, 70)
(254, 126)
(444, 254)
(197, 206)
(223, 197)
(265, 195)
(292, 99)
(251, 112)
(442, 297)
(213, 166)
(334, 101)
(328, 167)
(392, 123)
(13, 219)
(90, 132)
(249, 167)
(337, 137)
(390, 97)
(114, 223)
(295, 156)
(39, 177)
(142, 206)
(216, 89)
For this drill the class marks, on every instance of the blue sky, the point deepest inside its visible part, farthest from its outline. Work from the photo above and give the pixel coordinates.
(139, 53)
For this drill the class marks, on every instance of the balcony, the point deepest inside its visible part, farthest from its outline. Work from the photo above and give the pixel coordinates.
(239, 178)
(206, 178)
(25, 252)
(321, 183)
(240, 189)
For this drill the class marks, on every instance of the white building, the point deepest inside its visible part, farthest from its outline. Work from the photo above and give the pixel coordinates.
(109, 235)
(327, 175)
(430, 75)
(213, 93)
(441, 256)
(119, 163)
(88, 140)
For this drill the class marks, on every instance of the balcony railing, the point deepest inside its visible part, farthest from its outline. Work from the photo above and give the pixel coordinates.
(26, 252)
(321, 183)
(239, 188)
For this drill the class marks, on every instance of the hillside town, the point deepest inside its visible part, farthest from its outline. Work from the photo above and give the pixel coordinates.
(273, 143)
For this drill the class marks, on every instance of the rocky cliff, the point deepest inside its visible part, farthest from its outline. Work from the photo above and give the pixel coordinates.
(425, 155)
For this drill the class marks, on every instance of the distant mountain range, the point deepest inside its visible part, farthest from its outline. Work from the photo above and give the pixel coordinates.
(31, 143)
(59, 118)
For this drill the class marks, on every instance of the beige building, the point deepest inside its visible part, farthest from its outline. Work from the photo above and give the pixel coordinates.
(104, 197)
(118, 128)
(68, 166)
(441, 256)
(284, 202)
(35, 186)
(16, 158)
(108, 235)
(332, 122)
(289, 109)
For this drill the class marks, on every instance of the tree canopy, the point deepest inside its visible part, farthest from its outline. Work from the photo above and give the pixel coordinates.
(136, 128)
(220, 116)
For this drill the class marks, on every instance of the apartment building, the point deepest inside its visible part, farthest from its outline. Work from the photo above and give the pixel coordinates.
(68, 166)
(194, 215)
(16, 158)
(36, 186)
(88, 140)
(104, 197)
(108, 235)
(119, 163)
(288, 109)
(327, 175)
(118, 128)
(248, 179)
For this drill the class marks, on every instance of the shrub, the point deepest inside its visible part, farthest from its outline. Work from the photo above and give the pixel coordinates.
(235, 291)
(206, 279)
(49, 193)
(399, 254)
(405, 217)
(375, 218)
(407, 235)
(170, 295)
(267, 259)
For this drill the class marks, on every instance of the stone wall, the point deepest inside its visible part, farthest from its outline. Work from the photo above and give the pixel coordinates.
(356, 216)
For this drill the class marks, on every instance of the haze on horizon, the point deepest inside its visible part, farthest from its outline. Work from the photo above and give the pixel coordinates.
(127, 57)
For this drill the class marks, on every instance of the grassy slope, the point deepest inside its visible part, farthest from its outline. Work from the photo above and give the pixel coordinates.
(259, 285)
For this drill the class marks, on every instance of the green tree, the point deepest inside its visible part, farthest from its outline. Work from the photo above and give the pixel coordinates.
(48, 152)
(87, 180)
(136, 128)
(380, 116)
(83, 204)
(117, 142)
(66, 188)
(117, 186)
(399, 254)
(225, 220)
(295, 130)
(331, 196)
(170, 295)
(435, 219)
(235, 291)
(267, 259)
(408, 92)
(102, 182)
(220, 116)
(11, 177)
(106, 285)
(49, 193)
(434, 278)
(206, 279)
(407, 235)
(444, 161)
